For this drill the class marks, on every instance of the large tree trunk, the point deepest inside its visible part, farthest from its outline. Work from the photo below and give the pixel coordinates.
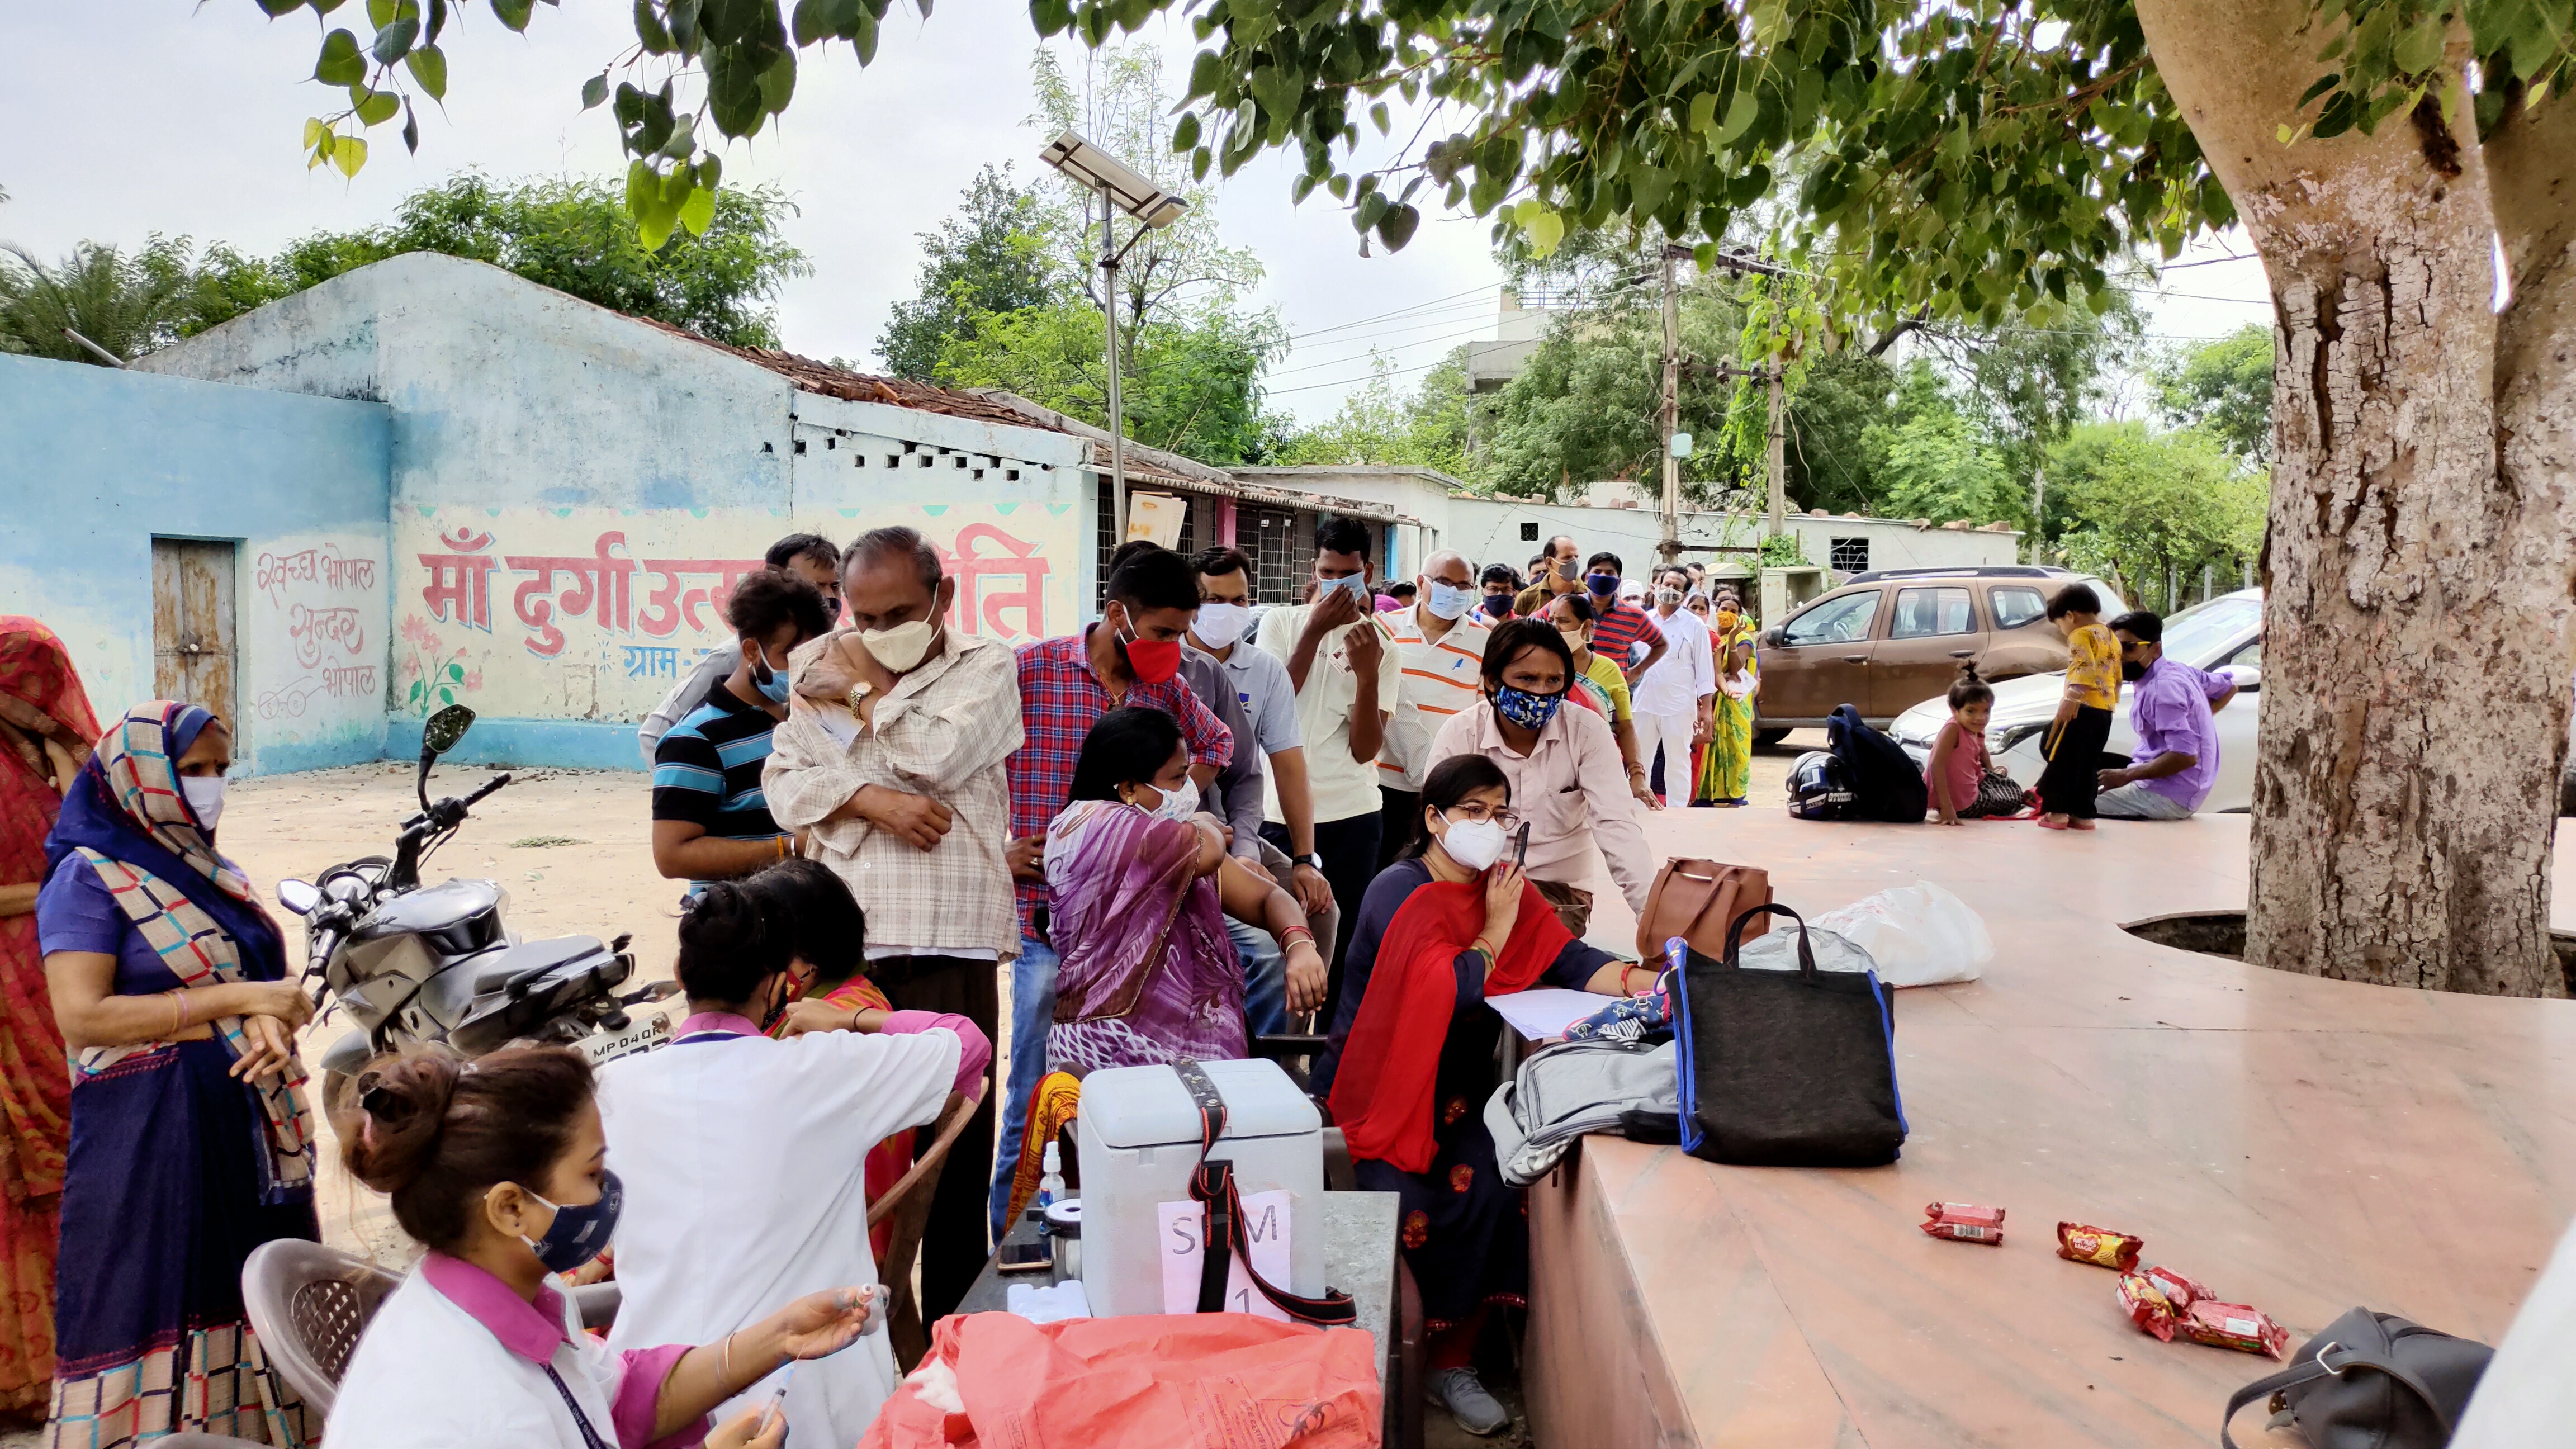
(2415, 682)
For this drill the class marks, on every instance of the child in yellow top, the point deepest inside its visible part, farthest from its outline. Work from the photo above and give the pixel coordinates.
(2082, 727)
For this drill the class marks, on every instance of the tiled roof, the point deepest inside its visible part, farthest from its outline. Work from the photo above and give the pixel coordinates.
(809, 375)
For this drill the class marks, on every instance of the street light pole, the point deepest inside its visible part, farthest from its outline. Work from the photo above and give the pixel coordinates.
(1117, 413)
(1670, 549)
(1120, 189)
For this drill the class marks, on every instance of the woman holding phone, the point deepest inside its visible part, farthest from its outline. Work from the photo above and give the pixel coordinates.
(1450, 924)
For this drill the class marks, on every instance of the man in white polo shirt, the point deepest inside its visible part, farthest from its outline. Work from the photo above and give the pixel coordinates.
(1440, 647)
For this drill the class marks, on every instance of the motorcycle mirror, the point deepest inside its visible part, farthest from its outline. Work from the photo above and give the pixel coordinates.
(298, 896)
(444, 729)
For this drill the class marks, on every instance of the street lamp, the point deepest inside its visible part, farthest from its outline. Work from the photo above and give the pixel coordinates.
(1121, 189)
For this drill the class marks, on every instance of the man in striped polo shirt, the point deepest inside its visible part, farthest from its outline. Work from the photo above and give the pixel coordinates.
(710, 819)
(1440, 646)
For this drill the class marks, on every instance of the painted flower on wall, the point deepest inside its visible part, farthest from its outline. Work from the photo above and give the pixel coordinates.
(436, 677)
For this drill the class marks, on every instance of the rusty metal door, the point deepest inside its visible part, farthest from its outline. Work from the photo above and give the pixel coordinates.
(194, 657)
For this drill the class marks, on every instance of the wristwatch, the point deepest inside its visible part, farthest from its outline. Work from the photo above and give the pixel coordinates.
(1313, 858)
(858, 691)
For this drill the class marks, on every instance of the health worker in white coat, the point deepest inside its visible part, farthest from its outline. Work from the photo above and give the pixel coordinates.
(744, 1157)
(500, 1168)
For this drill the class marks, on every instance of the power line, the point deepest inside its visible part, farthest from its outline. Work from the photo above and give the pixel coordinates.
(1383, 316)
(1348, 381)
(1372, 352)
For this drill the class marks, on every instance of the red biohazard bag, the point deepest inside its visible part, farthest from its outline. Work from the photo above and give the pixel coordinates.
(1143, 1381)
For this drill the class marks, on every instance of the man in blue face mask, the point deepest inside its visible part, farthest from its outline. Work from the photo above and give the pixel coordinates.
(710, 820)
(1440, 645)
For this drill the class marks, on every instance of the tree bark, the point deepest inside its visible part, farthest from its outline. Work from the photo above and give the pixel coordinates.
(2416, 677)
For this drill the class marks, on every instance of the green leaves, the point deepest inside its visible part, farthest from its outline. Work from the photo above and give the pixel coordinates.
(594, 91)
(374, 107)
(393, 42)
(428, 66)
(340, 64)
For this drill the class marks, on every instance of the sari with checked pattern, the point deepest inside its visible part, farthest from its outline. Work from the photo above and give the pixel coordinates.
(177, 1170)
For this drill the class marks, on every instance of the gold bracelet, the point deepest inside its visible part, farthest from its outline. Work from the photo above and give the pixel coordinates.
(724, 1367)
(178, 1011)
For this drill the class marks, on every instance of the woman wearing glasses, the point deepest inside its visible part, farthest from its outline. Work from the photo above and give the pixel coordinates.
(1411, 1060)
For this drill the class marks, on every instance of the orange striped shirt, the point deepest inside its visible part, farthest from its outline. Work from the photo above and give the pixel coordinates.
(1438, 680)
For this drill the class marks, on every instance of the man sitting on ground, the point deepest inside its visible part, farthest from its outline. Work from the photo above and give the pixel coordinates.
(2169, 704)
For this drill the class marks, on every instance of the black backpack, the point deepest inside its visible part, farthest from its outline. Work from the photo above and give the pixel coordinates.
(1885, 785)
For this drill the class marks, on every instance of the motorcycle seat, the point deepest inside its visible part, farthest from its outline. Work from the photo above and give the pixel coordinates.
(531, 959)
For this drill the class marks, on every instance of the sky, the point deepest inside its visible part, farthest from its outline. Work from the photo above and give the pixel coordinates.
(129, 117)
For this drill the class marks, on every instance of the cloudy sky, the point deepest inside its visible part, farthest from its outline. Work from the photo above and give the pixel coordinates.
(128, 117)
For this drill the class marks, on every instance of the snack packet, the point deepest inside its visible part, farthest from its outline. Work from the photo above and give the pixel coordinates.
(2233, 1325)
(2147, 1307)
(1965, 1232)
(2180, 1291)
(2100, 1247)
(1965, 1212)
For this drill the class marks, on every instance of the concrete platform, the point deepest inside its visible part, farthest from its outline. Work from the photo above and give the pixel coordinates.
(2301, 1145)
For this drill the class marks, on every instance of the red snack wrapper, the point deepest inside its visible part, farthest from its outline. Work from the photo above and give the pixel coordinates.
(1965, 1232)
(2180, 1291)
(2233, 1325)
(2147, 1307)
(2100, 1247)
(1965, 1212)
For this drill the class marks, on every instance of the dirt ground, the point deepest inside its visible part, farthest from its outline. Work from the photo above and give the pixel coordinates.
(573, 848)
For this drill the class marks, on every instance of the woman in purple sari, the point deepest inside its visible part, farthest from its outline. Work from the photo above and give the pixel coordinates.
(1138, 888)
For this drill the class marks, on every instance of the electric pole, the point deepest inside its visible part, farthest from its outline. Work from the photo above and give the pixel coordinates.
(1670, 550)
(1778, 460)
(2038, 495)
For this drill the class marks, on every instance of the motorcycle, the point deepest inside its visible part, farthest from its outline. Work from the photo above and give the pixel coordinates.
(413, 964)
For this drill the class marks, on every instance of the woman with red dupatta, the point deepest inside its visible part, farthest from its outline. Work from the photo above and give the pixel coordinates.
(1411, 1059)
(46, 731)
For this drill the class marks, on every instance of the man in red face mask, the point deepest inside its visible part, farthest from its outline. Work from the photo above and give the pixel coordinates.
(1131, 657)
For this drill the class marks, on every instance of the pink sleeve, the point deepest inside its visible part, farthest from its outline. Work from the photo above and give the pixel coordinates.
(976, 1051)
(639, 1394)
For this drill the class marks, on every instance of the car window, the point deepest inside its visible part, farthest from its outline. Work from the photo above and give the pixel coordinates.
(2251, 654)
(1835, 621)
(2015, 606)
(2199, 635)
(1921, 613)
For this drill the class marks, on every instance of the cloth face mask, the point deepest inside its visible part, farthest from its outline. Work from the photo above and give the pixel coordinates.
(1154, 660)
(205, 797)
(578, 1233)
(1529, 711)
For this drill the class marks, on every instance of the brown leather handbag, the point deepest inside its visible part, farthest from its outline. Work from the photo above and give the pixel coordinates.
(1696, 900)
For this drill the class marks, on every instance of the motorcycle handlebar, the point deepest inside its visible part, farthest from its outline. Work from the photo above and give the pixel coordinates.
(495, 783)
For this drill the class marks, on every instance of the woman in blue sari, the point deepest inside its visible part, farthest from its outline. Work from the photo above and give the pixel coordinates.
(190, 1140)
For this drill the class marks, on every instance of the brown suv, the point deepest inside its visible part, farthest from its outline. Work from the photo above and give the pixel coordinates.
(1889, 640)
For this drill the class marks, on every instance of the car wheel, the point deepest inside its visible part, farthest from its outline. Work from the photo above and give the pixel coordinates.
(1767, 738)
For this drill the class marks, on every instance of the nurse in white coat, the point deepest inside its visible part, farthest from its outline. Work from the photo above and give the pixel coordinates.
(500, 1169)
(743, 1157)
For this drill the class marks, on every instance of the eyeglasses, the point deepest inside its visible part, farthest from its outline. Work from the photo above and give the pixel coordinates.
(1504, 816)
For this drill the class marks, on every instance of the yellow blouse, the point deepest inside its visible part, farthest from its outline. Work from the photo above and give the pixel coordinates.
(2093, 667)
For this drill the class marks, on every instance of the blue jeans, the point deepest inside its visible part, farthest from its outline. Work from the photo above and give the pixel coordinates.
(1265, 979)
(1032, 1012)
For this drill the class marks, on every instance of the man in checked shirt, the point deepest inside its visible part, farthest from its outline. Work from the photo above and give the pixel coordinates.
(1131, 657)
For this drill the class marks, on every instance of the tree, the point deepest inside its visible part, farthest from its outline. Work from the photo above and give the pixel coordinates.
(2224, 386)
(126, 304)
(574, 236)
(1379, 425)
(1120, 106)
(1829, 465)
(1935, 461)
(2153, 508)
(990, 257)
(1960, 162)
(1186, 387)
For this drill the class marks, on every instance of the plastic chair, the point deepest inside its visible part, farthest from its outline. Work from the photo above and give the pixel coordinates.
(908, 1204)
(309, 1304)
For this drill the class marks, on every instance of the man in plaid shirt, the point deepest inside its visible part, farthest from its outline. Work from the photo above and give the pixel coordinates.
(1617, 627)
(1131, 657)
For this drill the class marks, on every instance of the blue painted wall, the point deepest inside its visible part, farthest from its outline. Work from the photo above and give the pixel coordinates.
(94, 463)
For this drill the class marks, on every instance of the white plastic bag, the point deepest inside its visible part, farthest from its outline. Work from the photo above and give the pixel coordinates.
(1920, 935)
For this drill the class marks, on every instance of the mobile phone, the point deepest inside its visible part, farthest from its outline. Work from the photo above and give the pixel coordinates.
(1520, 847)
(1027, 1257)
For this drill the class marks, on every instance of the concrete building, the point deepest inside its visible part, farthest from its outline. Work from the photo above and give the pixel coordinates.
(430, 481)
(1505, 530)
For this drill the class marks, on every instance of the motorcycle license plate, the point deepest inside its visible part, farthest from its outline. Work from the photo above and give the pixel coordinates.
(643, 1036)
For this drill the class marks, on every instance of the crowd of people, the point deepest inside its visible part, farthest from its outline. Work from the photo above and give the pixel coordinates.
(1196, 824)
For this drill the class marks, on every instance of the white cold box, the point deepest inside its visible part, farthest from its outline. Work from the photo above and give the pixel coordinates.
(1139, 1137)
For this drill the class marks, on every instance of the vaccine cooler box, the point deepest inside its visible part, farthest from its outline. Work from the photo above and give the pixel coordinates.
(1139, 1142)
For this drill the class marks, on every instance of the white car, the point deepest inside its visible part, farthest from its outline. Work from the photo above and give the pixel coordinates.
(2224, 635)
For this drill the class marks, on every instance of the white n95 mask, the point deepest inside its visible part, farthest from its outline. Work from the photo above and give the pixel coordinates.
(902, 647)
